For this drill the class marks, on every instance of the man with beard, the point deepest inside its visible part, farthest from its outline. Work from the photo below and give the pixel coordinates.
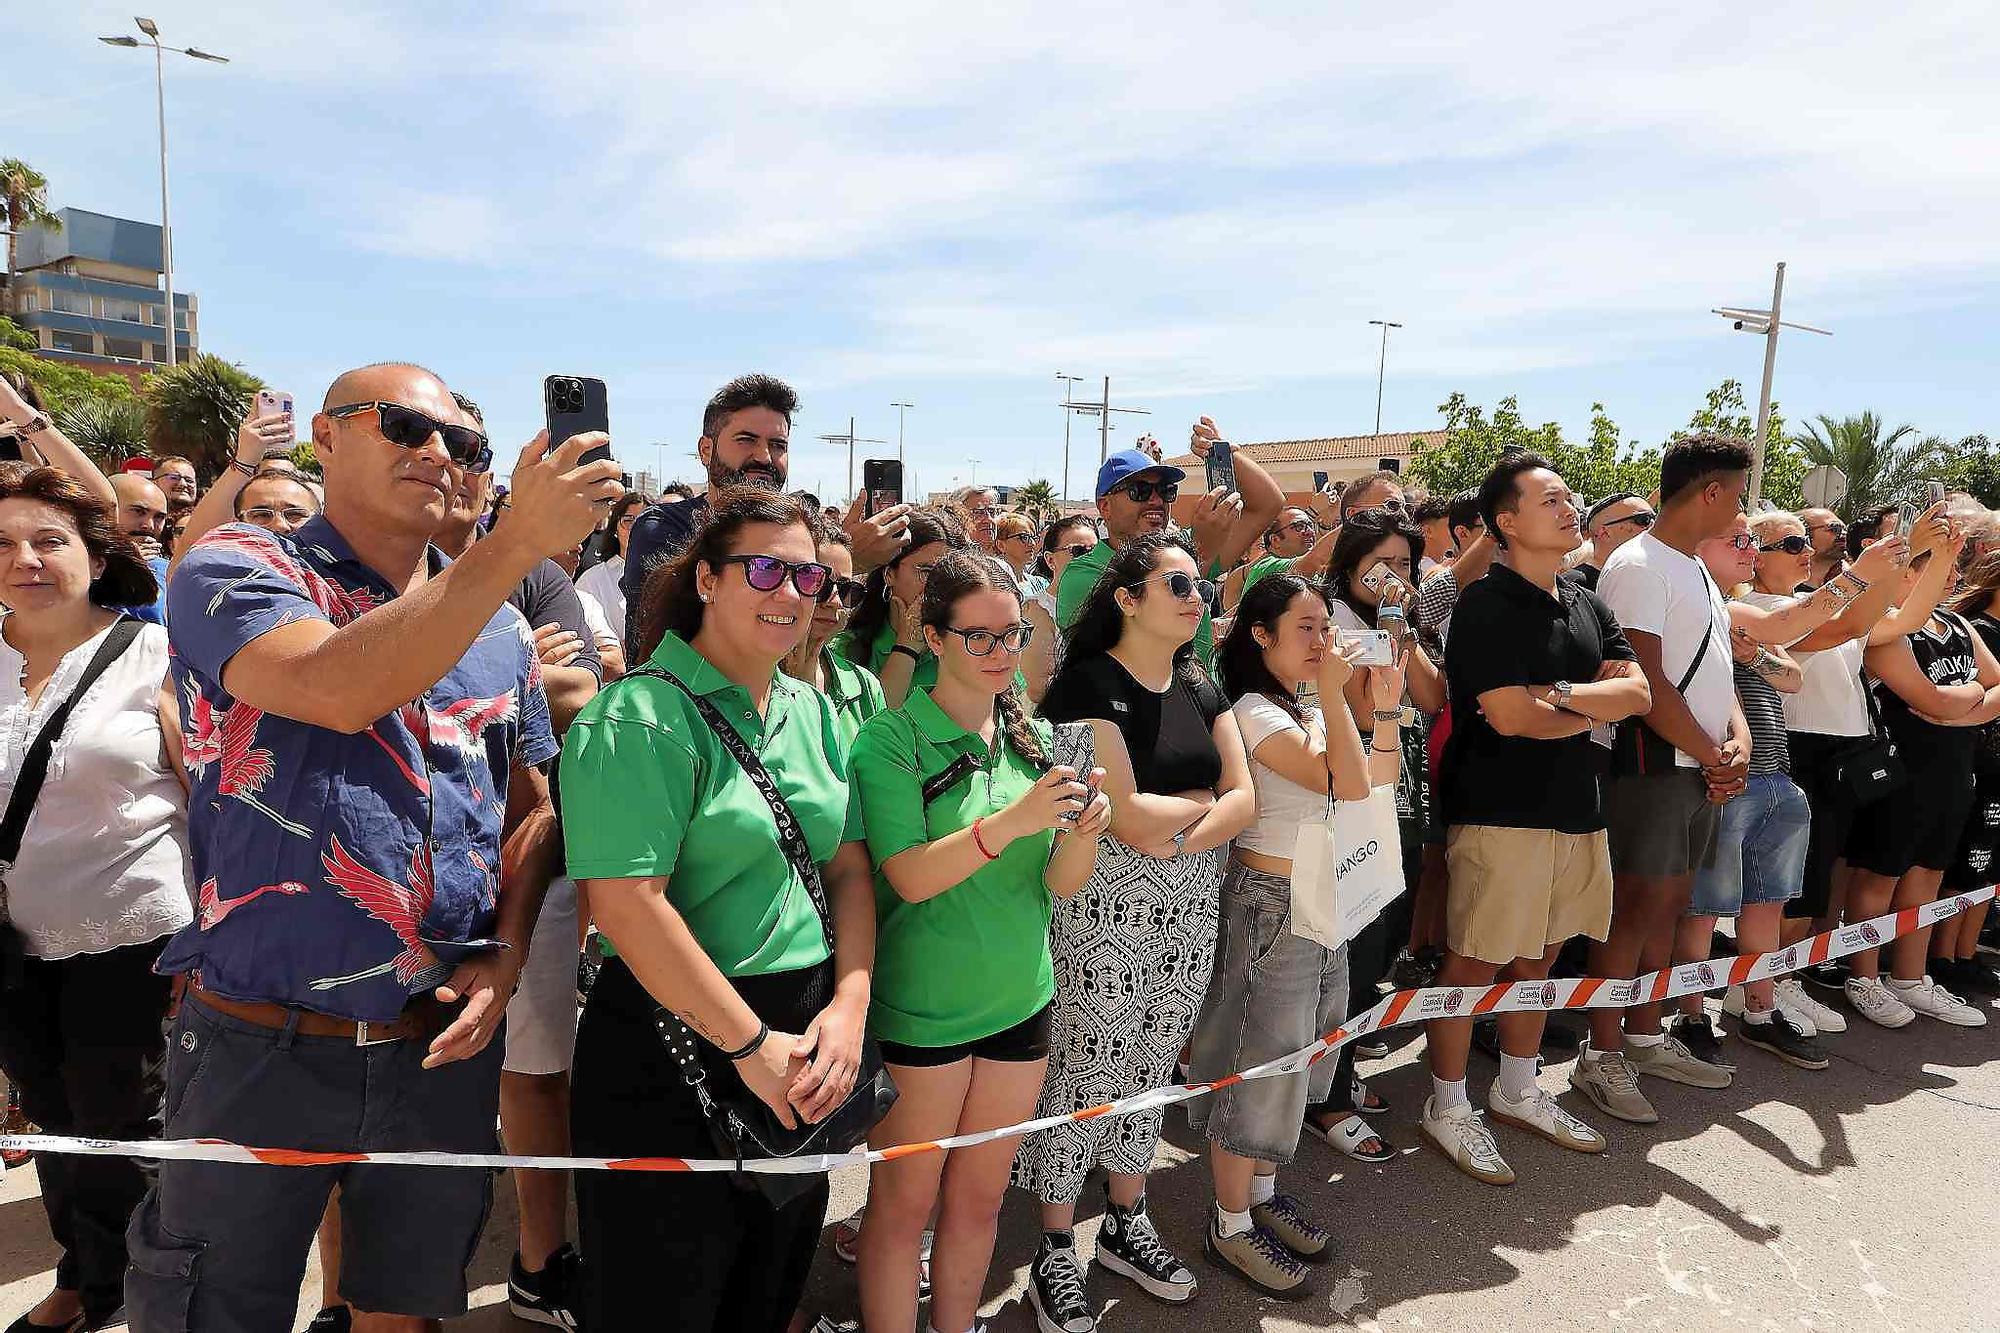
(745, 439)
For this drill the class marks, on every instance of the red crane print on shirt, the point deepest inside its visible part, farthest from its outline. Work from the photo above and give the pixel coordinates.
(400, 907)
(246, 767)
(213, 909)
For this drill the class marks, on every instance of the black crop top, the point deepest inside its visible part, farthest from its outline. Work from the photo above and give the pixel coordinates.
(1170, 736)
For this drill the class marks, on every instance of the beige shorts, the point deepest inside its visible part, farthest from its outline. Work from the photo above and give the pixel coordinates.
(1516, 891)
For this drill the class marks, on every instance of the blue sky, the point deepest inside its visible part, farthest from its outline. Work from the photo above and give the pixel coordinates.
(948, 205)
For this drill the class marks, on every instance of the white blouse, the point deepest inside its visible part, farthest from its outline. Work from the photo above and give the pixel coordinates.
(104, 858)
(605, 582)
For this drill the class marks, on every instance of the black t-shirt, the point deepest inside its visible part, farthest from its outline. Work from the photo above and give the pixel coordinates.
(1944, 653)
(547, 596)
(661, 532)
(1169, 736)
(1583, 576)
(1508, 632)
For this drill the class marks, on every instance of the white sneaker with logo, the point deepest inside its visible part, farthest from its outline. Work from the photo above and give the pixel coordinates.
(1876, 1003)
(1460, 1136)
(1795, 1000)
(1538, 1114)
(1927, 997)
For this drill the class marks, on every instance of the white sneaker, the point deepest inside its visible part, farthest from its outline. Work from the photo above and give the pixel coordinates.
(1876, 1003)
(1460, 1136)
(1927, 997)
(1819, 1019)
(1538, 1114)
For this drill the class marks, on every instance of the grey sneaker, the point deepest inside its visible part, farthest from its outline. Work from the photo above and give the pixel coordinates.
(1608, 1081)
(1259, 1258)
(1673, 1061)
(1283, 1217)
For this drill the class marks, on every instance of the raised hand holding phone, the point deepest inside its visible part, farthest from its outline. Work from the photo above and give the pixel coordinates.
(577, 405)
(557, 499)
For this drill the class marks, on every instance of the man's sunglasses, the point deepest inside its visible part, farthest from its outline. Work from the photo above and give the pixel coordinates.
(1305, 527)
(767, 573)
(1142, 492)
(1792, 544)
(408, 428)
(982, 642)
(1075, 549)
(1837, 529)
(1179, 586)
(1644, 519)
(848, 592)
(1739, 541)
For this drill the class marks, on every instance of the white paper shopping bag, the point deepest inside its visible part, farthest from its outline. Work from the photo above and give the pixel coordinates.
(1346, 869)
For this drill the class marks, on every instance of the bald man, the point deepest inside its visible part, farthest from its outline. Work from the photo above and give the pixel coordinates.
(358, 939)
(142, 516)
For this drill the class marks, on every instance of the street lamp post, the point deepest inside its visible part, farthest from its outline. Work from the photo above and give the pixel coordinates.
(1381, 367)
(900, 409)
(1766, 322)
(152, 31)
(850, 440)
(1067, 381)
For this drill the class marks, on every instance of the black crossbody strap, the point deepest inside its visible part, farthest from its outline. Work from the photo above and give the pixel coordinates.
(1701, 650)
(791, 834)
(35, 763)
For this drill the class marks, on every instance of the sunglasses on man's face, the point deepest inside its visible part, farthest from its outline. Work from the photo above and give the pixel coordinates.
(1142, 492)
(1179, 586)
(847, 592)
(1305, 527)
(1837, 529)
(1075, 549)
(407, 428)
(1792, 544)
(767, 573)
(982, 642)
(1641, 520)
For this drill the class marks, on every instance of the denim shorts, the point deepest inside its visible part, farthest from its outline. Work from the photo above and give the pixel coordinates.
(1272, 993)
(1760, 849)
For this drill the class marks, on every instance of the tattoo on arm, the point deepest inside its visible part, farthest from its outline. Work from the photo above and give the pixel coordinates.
(707, 1033)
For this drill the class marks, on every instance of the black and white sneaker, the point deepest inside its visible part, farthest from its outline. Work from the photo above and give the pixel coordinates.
(547, 1297)
(1128, 1245)
(1784, 1039)
(1698, 1034)
(1830, 976)
(333, 1319)
(1055, 1287)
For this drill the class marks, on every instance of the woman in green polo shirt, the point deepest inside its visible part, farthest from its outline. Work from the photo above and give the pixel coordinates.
(855, 693)
(973, 836)
(680, 855)
(883, 634)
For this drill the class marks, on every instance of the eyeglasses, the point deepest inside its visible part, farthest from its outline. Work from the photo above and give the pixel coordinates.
(982, 642)
(1075, 549)
(984, 511)
(847, 592)
(1738, 541)
(1837, 529)
(1142, 492)
(408, 428)
(1305, 527)
(1791, 544)
(1643, 519)
(262, 514)
(1179, 586)
(767, 573)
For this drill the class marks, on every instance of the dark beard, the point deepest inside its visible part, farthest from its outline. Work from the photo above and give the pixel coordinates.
(721, 478)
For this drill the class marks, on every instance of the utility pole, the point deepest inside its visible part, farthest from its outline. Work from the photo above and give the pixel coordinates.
(900, 408)
(850, 440)
(1102, 410)
(1766, 322)
(1381, 367)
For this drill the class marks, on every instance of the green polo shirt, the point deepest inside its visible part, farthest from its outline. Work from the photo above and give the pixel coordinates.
(874, 655)
(1080, 576)
(648, 790)
(1267, 566)
(974, 960)
(855, 694)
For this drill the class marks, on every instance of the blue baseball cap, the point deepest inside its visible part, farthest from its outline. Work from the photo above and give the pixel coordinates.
(1129, 463)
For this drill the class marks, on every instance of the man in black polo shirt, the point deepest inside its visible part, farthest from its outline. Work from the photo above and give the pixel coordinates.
(1534, 664)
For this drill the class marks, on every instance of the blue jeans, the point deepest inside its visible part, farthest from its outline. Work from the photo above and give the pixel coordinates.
(1760, 849)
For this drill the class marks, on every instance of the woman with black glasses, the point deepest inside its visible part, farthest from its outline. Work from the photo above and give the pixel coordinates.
(1064, 541)
(974, 835)
(711, 918)
(883, 635)
(1134, 948)
(856, 694)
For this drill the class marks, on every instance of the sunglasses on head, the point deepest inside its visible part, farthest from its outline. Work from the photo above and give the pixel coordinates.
(767, 573)
(1142, 492)
(982, 642)
(408, 428)
(1643, 519)
(1792, 544)
(1179, 586)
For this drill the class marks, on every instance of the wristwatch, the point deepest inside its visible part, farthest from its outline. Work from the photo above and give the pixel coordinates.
(1563, 689)
(1180, 842)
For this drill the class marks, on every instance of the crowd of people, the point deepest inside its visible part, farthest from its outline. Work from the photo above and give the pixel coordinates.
(328, 797)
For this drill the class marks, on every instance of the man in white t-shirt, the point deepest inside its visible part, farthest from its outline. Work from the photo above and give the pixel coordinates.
(1663, 812)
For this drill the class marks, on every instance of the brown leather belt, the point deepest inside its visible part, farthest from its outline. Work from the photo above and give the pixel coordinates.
(310, 1024)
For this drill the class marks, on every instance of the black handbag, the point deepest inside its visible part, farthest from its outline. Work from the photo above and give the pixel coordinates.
(28, 786)
(1639, 751)
(742, 1126)
(1869, 768)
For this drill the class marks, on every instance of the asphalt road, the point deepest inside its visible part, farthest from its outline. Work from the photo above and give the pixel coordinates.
(1863, 1197)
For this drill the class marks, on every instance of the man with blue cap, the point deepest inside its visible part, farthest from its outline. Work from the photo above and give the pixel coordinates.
(1135, 496)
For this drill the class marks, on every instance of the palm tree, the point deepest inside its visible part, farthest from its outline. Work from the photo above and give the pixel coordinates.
(195, 408)
(1036, 499)
(110, 430)
(24, 197)
(1880, 468)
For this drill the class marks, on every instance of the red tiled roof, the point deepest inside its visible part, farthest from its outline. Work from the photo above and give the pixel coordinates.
(1389, 444)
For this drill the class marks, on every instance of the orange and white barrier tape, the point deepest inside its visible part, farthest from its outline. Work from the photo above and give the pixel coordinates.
(1397, 1010)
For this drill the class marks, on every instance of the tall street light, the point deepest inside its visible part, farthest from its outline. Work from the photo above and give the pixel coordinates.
(1381, 367)
(1767, 323)
(1067, 381)
(152, 31)
(900, 409)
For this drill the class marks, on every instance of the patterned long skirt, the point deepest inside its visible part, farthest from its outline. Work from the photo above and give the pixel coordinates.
(1133, 950)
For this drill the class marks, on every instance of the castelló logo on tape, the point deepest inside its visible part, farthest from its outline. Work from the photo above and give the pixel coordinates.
(1549, 994)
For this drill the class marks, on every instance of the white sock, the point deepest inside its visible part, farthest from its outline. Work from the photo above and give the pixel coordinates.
(1263, 1188)
(1648, 1040)
(1901, 984)
(1517, 1076)
(1448, 1096)
(1756, 1018)
(1229, 1224)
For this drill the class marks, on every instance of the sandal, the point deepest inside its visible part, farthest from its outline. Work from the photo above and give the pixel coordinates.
(1366, 1100)
(1348, 1137)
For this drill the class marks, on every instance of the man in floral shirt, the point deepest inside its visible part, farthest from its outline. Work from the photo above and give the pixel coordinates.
(362, 719)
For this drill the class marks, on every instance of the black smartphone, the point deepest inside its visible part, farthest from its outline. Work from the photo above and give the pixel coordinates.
(10, 448)
(1394, 465)
(576, 405)
(1222, 466)
(1319, 482)
(882, 480)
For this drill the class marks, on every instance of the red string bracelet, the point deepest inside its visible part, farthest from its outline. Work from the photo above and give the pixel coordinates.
(980, 842)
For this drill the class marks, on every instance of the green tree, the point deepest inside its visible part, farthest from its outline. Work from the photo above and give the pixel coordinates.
(1724, 412)
(110, 430)
(1882, 466)
(24, 197)
(305, 458)
(1974, 467)
(60, 383)
(1036, 499)
(14, 336)
(195, 408)
(1474, 442)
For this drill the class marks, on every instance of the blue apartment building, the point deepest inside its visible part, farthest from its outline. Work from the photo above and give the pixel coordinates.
(90, 292)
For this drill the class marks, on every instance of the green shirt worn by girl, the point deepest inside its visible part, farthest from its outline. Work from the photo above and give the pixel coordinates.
(648, 790)
(855, 693)
(974, 960)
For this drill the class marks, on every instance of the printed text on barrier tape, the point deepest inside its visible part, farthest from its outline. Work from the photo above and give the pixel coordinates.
(1399, 1009)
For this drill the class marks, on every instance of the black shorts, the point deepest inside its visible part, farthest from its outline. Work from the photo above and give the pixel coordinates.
(1917, 826)
(1833, 816)
(1978, 862)
(1024, 1043)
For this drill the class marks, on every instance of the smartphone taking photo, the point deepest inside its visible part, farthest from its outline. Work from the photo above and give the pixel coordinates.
(1378, 649)
(1222, 466)
(882, 482)
(576, 405)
